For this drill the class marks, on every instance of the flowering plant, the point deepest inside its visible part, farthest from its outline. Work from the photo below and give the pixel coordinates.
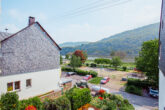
(100, 98)
(101, 91)
(30, 107)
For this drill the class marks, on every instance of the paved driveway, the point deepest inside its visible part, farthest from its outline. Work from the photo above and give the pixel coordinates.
(139, 102)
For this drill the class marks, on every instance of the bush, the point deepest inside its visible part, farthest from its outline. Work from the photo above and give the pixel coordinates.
(87, 64)
(62, 103)
(35, 101)
(78, 97)
(49, 104)
(124, 68)
(139, 83)
(102, 61)
(80, 72)
(67, 69)
(93, 65)
(93, 73)
(134, 90)
(9, 101)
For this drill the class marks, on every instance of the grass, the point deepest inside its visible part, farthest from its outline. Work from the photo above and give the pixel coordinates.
(96, 80)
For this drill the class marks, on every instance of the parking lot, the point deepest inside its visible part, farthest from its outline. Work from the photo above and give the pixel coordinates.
(139, 102)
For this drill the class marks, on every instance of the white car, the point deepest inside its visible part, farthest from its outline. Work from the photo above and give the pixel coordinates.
(97, 88)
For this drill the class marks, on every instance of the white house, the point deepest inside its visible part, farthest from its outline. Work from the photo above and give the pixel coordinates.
(162, 59)
(29, 61)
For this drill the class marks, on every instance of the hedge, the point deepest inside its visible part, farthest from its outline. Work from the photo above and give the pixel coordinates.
(80, 72)
(102, 61)
(139, 83)
(134, 90)
(78, 97)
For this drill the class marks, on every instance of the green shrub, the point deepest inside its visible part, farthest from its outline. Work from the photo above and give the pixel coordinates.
(67, 69)
(78, 97)
(102, 61)
(134, 90)
(109, 105)
(139, 83)
(87, 64)
(35, 101)
(93, 65)
(9, 101)
(49, 104)
(80, 72)
(93, 73)
(124, 68)
(63, 103)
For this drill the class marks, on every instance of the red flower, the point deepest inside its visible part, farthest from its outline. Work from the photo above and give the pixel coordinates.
(30, 107)
(100, 98)
(101, 91)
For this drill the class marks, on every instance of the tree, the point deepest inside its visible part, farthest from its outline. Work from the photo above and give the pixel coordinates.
(67, 56)
(116, 61)
(112, 54)
(120, 54)
(75, 62)
(80, 53)
(147, 61)
(61, 59)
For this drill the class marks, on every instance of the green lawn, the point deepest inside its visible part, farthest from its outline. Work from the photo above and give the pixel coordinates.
(96, 80)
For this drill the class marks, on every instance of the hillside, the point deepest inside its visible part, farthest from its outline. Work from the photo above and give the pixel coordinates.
(72, 44)
(128, 41)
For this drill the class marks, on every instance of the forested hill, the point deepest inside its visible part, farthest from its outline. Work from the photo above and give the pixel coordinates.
(128, 41)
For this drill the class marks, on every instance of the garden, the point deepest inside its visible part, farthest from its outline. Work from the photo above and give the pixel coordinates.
(73, 99)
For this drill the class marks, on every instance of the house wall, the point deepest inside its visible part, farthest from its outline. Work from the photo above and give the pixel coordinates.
(161, 91)
(30, 50)
(42, 82)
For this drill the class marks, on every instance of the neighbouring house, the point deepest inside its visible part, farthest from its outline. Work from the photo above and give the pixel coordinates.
(162, 59)
(29, 61)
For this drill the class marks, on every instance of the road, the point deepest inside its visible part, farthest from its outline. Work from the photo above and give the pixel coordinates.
(139, 102)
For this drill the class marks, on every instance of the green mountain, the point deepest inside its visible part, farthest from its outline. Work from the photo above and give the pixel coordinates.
(128, 41)
(72, 44)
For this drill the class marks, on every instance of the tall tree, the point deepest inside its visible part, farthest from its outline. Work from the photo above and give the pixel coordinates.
(67, 56)
(61, 59)
(75, 62)
(116, 61)
(80, 53)
(148, 60)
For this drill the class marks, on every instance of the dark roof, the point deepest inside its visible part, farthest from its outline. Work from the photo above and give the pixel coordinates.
(7, 35)
(4, 35)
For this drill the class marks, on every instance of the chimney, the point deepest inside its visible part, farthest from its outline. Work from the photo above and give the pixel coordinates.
(31, 20)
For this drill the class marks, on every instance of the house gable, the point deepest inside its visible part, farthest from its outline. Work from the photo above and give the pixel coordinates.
(29, 50)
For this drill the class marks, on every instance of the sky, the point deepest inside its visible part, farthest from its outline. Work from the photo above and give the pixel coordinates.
(79, 20)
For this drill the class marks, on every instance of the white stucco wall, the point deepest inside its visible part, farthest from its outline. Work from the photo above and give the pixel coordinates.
(42, 82)
(161, 91)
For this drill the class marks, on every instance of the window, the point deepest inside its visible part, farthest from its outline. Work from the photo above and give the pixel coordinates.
(28, 83)
(17, 85)
(10, 86)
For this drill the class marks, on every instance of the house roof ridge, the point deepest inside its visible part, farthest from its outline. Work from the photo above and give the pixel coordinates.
(28, 27)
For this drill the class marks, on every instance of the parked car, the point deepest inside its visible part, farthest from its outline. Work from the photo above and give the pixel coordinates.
(70, 73)
(97, 88)
(87, 77)
(82, 84)
(105, 80)
(153, 93)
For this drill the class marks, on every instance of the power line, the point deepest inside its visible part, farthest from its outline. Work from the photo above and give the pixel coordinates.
(89, 7)
(93, 9)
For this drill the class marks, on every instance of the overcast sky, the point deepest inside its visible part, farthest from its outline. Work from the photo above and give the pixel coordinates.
(79, 20)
